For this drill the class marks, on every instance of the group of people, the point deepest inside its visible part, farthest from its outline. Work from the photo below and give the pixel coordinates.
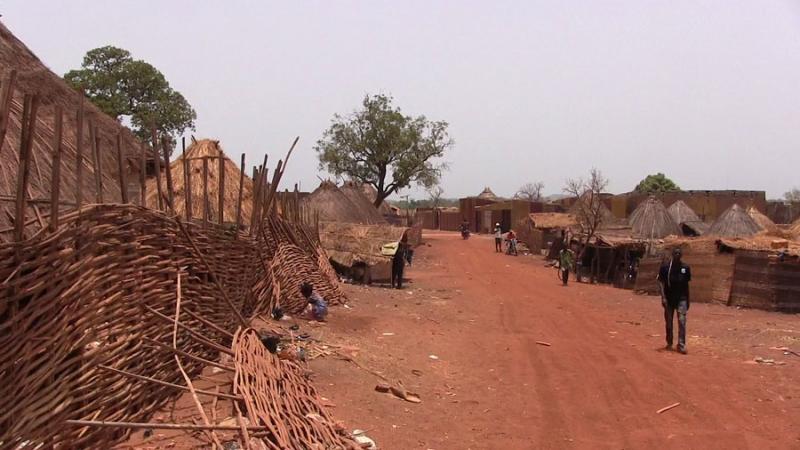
(511, 240)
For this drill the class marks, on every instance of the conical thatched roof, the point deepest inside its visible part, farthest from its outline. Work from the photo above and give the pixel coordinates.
(682, 213)
(762, 220)
(33, 77)
(651, 220)
(371, 194)
(487, 194)
(333, 205)
(369, 214)
(210, 149)
(734, 222)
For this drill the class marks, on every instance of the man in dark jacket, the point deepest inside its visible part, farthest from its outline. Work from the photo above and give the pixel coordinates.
(674, 278)
(401, 256)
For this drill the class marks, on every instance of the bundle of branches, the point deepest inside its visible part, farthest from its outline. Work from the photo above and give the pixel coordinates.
(292, 267)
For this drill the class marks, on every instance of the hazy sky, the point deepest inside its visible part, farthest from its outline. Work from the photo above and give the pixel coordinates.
(706, 91)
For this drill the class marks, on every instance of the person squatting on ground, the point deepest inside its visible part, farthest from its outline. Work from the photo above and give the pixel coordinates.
(319, 308)
(498, 238)
(566, 262)
(399, 259)
(511, 237)
(674, 278)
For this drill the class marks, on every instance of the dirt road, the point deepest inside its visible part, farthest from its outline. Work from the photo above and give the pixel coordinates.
(464, 333)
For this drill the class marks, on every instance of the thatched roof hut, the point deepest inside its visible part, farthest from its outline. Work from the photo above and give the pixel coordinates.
(33, 77)
(332, 205)
(487, 194)
(681, 213)
(651, 220)
(366, 209)
(734, 222)
(211, 151)
(371, 194)
(762, 220)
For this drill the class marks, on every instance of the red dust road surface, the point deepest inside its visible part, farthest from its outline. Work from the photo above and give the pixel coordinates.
(464, 332)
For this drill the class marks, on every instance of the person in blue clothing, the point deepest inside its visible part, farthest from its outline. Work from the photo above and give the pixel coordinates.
(319, 308)
(674, 278)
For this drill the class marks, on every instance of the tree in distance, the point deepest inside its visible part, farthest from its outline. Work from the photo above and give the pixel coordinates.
(590, 213)
(380, 146)
(655, 184)
(531, 192)
(793, 195)
(124, 87)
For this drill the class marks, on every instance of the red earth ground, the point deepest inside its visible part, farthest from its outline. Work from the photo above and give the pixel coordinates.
(463, 335)
(598, 384)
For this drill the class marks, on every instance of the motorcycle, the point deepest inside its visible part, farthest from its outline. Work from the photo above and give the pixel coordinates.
(465, 234)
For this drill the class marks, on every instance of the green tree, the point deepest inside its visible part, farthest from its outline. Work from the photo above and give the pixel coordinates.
(124, 87)
(380, 146)
(653, 184)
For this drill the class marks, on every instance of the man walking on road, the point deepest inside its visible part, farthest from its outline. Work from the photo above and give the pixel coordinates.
(498, 238)
(674, 278)
(565, 262)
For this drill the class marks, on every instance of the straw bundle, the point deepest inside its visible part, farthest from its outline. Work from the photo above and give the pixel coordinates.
(734, 222)
(210, 151)
(651, 220)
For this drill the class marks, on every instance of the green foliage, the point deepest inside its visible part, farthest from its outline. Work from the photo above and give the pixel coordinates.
(653, 184)
(426, 203)
(380, 146)
(125, 87)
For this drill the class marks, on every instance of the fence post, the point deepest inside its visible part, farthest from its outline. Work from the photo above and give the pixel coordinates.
(79, 156)
(123, 182)
(55, 179)
(187, 181)
(239, 200)
(29, 112)
(206, 213)
(221, 189)
(160, 202)
(94, 136)
(168, 173)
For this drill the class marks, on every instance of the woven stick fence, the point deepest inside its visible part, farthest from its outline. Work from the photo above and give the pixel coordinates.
(88, 336)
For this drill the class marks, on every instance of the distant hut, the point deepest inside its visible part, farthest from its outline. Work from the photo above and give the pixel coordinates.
(687, 219)
(762, 220)
(651, 220)
(366, 209)
(211, 151)
(734, 222)
(487, 194)
(333, 205)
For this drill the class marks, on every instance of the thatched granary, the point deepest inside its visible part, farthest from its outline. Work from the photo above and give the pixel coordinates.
(366, 209)
(33, 77)
(211, 151)
(332, 205)
(734, 222)
(487, 194)
(651, 220)
(762, 220)
(682, 213)
(687, 219)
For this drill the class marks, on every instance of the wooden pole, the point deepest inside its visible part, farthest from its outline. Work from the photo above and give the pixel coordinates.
(79, 155)
(221, 188)
(187, 181)
(160, 426)
(206, 213)
(123, 182)
(94, 136)
(5, 106)
(158, 169)
(239, 198)
(256, 187)
(29, 111)
(55, 179)
(142, 178)
(168, 173)
(168, 384)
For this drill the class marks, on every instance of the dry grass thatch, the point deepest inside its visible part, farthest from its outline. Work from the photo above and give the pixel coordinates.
(487, 194)
(348, 243)
(682, 213)
(553, 220)
(762, 220)
(211, 151)
(33, 77)
(332, 205)
(734, 222)
(651, 220)
(366, 209)
(371, 194)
